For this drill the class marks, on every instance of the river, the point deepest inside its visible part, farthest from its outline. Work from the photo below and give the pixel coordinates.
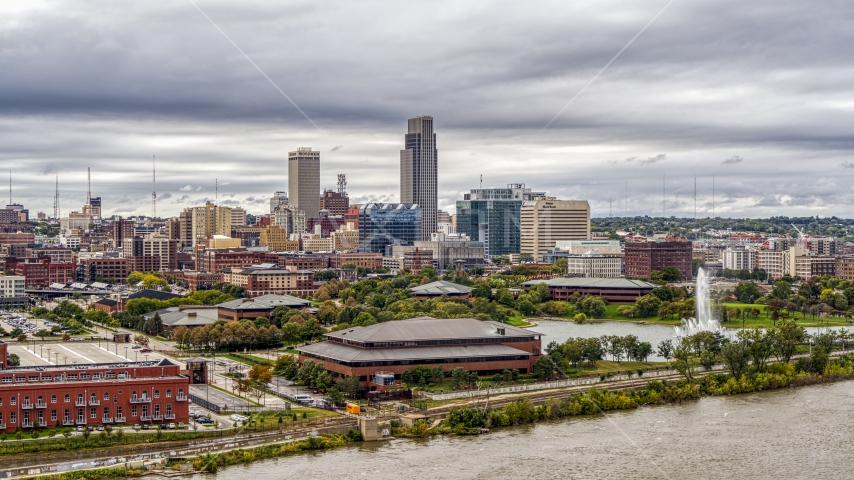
(792, 433)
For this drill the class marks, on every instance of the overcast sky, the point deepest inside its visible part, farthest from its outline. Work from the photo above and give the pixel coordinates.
(759, 94)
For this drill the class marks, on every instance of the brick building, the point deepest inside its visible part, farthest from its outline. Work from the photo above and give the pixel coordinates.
(268, 279)
(90, 269)
(642, 258)
(359, 259)
(41, 272)
(615, 290)
(325, 222)
(334, 202)
(118, 393)
(262, 306)
(214, 259)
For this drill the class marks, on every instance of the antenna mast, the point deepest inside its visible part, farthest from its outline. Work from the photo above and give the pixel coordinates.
(89, 186)
(713, 196)
(56, 200)
(342, 184)
(154, 188)
(663, 196)
(695, 198)
(216, 191)
(10, 185)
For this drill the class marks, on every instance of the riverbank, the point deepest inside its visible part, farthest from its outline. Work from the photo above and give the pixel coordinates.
(477, 418)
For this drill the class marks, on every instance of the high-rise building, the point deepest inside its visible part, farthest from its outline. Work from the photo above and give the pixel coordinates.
(162, 251)
(492, 216)
(210, 220)
(387, 224)
(289, 217)
(418, 172)
(279, 198)
(304, 180)
(334, 202)
(238, 217)
(546, 220)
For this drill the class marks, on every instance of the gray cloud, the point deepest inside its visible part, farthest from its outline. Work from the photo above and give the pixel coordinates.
(732, 160)
(652, 160)
(767, 80)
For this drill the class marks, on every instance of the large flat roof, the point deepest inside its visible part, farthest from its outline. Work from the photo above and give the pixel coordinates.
(441, 288)
(264, 302)
(347, 353)
(429, 328)
(603, 283)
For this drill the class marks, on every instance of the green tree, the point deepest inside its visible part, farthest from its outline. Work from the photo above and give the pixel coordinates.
(781, 290)
(788, 336)
(647, 305)
(747, 292)
(685, 361)
(736, 356)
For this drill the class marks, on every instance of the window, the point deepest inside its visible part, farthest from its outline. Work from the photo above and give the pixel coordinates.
(180, 393)
(7, 379)
(34, 378)
(96, 376)
(79, 398)
(26, 400)
(106, 412)
(106, 395)
(53, 415)
(93, 412)
(67, 397)
(13, 417)
(168, 393)
(20, 378)
(46, 378)
(72, 376)
(157, 394)
(111, 375)
(13, 401)
(53, 399)
(133, 410)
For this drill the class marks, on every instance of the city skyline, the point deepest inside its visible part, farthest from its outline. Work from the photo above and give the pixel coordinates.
(766, 120)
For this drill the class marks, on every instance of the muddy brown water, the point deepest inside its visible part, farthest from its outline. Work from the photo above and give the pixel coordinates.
(793, 433)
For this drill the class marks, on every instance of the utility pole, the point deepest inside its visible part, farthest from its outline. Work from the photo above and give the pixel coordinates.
(695, 198)
(627, 198)
(713, 196)
(663, 196)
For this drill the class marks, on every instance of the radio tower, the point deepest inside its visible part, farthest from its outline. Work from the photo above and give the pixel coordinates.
(154, 188)
(89, 186)
(342, 184)
(56, 200)
(10, 185)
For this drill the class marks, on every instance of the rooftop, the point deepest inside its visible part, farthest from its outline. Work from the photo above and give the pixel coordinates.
(441, 287)
(429, 328)
(153, 294)
(265, 302)
(604, 283)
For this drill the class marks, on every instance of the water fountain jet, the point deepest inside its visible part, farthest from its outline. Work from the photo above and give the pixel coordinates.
(703, 321)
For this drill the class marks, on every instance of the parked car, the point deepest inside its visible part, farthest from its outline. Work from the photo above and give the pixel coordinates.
(145, 350)
(100, 428)
(135, 347)
(171, 426)
(136, 427)
(145, 426)
(80, 428)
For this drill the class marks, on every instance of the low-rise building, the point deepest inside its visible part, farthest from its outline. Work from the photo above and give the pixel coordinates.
(357, 259)
(441, 288)
(594, 264)
(152, 392)
(643, 258)
(392, 348)
(615, 290)
(738, 258)
(268, 279)
(315, 243)
(263, 306)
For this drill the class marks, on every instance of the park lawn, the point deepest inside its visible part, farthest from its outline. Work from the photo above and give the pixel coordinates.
(249, 359)
(517, 321)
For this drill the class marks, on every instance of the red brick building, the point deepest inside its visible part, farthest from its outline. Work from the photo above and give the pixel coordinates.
(214, 259)
(398, 346)
(334, 202)
(90, 269)
(642, 258)
(327, 223)
(119, 393)
(41, 272)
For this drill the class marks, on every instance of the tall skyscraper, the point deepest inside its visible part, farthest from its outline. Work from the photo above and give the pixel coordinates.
(492, 216)
(304, 180)
(418, 167)
(545, 220)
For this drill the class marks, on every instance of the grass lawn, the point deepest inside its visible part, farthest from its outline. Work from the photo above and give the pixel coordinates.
(518, 321)
(249, 359)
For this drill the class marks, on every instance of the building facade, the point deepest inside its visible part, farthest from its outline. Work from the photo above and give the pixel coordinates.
(615, 290)
(593, 264)
(304, 180)
(738, 258)
(385, 224)
(418, 172)
(333, 202)
(642, 258)
(12, 286)
(261, 280)
(119, 393)
(546, 220)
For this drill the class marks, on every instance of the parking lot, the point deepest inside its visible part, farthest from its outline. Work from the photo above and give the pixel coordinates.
(29, 326)
(218, 397)
(56, 353)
